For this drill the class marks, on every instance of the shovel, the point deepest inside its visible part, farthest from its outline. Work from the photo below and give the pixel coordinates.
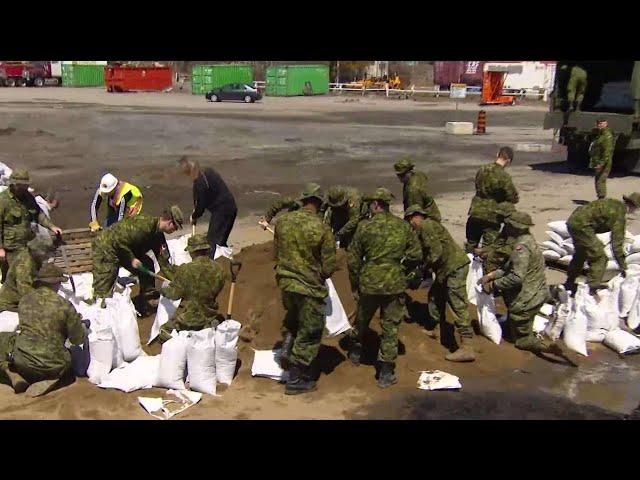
(266, 226)
(146, 271)
(235, 267)
(66, 264)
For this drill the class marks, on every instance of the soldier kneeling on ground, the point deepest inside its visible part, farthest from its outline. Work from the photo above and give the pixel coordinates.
(34, 358)
(198, 284)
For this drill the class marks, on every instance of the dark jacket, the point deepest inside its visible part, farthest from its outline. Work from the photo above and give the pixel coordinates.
(211, 193)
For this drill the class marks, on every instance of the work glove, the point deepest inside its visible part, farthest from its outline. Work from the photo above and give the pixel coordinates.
(488, 287)
(480, 252)
(95, 226)
(485, 279)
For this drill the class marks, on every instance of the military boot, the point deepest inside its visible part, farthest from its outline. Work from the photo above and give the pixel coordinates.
(142, 305)
(285, 351)
(387, 375)
(558, 349)
(19, 384)
(355, 350)
(42, 388)
(464, 353)
(300, 380)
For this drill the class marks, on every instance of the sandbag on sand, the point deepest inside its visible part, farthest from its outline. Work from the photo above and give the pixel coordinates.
(173, 362)
(634, 258)
(555, 247)
(554, 329)
(559, 227)
(125, 324)
(633, 320)
(575, 327)
(227, 350)
(139, 374)
(475, 273)
(101, 350)
(634, 245)
(489, 325)
(176, 248)
(568, 246)
(622, 342)
(551, 255)
(201, 361)
(165, 312)
(628, 293)
(555, 237)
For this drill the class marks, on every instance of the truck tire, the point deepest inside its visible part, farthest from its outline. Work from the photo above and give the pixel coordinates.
(577, 153)
(22, 82)
(38, 82)
(627, 161)
(11, 82)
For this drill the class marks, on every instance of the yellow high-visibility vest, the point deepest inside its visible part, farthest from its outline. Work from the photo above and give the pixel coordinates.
(134, 204)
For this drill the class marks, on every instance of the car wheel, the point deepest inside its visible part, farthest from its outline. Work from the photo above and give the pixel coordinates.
(214, 98)
(39, 82)
(248, 99)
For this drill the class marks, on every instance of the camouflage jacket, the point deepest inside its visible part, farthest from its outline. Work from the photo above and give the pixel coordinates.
(601, 150)
(344, 220)
(20, 279)
(46, 321)
(16, 217)
(132, 237)
(604, 215)
(282, 203)
(521, 279)
(198, 284)
(495, 193)
(305, 253)
(415, 192)
(381, 252)
(440, 252)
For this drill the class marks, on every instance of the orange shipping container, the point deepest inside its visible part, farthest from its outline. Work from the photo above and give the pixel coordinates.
(129, 79)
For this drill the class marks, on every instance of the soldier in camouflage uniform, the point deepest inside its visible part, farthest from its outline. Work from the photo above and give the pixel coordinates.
(125, 243)
(576, 87)
(521, 282)
(415, 190)
(198, 284)
(283, 203)
(495, 196)
(598, 216)
(18, 209)
(23, 271)
(601, 156)
(382, 249)
(448, 261)
(344, 210)
(36, 357)
(305, 255)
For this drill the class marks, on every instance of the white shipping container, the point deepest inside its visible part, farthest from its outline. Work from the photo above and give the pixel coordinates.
(527, 75)
(84, 62)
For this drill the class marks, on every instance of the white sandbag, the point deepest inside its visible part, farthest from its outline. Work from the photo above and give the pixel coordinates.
(596, 336)
(560, 227)
(540, 323)
(337, 320)
(569, 246)
(634, 258)
(602, 314)
(575, 327)
(139, 374)
(633, 319)
(173, 363)
(266, 364)
(551, 255)
(475, 273)
(125, 324)
(605, 237)
(566, 259)
(546, 309)
(554, 329)
(628, 293)
(489, 325)
(223, 252)
(621, 341)
(555, 237)
(8, 321)
(201, 361)
(176, 248)
(634, 245)
(165, 312)
(612, 266)
(227, 350)
(608, 251)
(101, 348)
(555, 247)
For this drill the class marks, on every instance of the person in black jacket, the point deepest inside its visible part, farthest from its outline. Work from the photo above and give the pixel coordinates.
(211, 193)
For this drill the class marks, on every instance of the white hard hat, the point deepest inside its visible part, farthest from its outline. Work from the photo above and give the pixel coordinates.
(108, 183)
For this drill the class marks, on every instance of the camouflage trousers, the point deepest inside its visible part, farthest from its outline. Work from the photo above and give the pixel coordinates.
(587, 248)
(477, 229)
(10, 255)
(521, 325)
(28, 364)
(601, 183)
(105, 271)
(182, 322)
(575, 88)
(392, 312)
(305, 319)
(451, 291)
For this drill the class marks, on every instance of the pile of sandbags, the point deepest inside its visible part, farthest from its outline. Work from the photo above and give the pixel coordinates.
(559, 246)
(487, 318)
(585, 318)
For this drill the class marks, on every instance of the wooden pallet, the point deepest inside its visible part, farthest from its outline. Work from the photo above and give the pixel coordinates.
(77, 245)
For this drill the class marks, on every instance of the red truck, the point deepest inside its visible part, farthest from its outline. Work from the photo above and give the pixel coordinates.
(32, 74)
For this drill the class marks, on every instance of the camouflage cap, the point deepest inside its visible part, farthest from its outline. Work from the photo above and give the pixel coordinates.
(311, 190)
(197, 242)
(633, 198)
(403, 165)
(19, 177)
(176, 215)
(380, 194)
(336, 196)
(41, 244)
(519, 220)
(414, 209)
(49, 273)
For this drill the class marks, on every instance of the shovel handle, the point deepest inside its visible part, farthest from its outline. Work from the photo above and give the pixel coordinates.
(265, 226)
(234, 266)
(193, 230)
(231, 295)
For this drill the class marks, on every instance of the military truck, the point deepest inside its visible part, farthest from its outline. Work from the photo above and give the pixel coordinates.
(612, 93)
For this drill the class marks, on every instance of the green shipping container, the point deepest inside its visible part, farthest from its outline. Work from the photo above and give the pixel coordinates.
(82, 75)
(208, 77)
(293, 80)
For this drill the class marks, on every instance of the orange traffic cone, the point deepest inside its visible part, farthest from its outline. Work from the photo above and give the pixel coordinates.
(481, 126)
